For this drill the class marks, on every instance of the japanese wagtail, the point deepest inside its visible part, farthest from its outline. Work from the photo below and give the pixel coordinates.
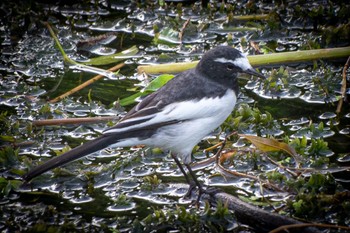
(175, 117)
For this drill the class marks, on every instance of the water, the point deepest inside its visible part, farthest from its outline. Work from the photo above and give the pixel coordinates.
(88, 193)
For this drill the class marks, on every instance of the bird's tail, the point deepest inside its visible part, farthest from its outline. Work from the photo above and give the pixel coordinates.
(76, 153)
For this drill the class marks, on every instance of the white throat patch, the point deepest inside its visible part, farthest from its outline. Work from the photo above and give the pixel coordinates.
(241, 62)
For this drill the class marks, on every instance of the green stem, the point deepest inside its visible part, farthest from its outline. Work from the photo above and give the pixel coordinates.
(240, 29)
(65, 57)
(75, 64)
(299, 56)
(166, 68)
(251, 17)
(256, 60)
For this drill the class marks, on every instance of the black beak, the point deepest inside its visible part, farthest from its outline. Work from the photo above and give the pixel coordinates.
(255, 73)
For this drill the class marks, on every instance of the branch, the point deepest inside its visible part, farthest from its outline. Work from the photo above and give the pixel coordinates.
(261, 220)
(82, 120)
(343, 86)
(85, 84)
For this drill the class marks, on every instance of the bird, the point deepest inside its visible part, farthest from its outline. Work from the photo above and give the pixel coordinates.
(177, 116)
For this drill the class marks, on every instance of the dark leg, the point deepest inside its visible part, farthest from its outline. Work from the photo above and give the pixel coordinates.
(181, 168)
(190, 182)
(194, 178)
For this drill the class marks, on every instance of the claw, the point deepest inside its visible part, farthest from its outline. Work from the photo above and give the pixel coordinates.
(190, 189)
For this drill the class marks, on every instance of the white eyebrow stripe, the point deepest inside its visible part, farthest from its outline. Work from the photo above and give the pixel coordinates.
(241, 62)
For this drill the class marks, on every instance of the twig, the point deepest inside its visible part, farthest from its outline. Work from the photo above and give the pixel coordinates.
(224, 171)
(294, 174)
(206, 162)
(343, 87)
(182, 32)
(85, 84)
(83, 120)
(23, 144)
(220, 143)
(235, 173)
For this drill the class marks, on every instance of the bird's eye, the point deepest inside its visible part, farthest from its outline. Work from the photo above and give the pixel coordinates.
(230, 67)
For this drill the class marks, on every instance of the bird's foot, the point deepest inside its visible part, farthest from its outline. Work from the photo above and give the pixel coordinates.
(208, 191)
(191, 188)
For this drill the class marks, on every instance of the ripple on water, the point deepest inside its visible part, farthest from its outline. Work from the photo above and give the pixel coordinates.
(122, 208)
(241, 142)
(280, 94)
(151, 197)
(129, 184)
(273, 132)
(314, 97)
(164, 168)
(344, 159)
(108, 153)
(295, 128)
(104, 182)
(221, 181)
(327, 115)
(66, 212)
(81, 199)
(79, 132)
(313, 134)
(104, 51)
(296, 125)
(345, 131)
(281, 91)
(14, 101)
(106, 112)
(301, 121)
(142, 171)
(332, 122)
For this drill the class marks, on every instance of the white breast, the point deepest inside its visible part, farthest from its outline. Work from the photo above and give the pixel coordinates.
(198, 119)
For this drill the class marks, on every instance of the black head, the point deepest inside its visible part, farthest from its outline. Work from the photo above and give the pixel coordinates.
(223, 63)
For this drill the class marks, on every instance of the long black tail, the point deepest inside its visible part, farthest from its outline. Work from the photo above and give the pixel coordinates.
(87, 148)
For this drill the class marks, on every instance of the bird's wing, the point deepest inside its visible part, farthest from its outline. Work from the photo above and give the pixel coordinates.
(137, 117)
(171, 104)
(140, 113)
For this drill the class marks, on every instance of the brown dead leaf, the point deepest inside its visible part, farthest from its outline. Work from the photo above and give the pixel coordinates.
(270, 144)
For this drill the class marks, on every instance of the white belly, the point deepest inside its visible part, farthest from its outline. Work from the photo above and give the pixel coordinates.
(198, 120)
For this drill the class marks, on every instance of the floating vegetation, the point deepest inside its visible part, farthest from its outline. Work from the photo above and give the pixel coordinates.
(296, 161)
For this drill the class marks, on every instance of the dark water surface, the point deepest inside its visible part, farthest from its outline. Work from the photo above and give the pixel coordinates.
(128, 189)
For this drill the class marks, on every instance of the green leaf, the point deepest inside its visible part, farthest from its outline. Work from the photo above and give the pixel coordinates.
(152, 87)
(130, 99)
(5, 138)
(168, 34)
(298, 206)
(113, 58)
(6, 186)
(158, 82)
(8, 156)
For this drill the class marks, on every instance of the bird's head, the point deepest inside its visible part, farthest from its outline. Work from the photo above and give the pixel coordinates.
(225, 62)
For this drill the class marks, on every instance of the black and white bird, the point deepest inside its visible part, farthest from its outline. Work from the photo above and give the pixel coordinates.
(177, 116)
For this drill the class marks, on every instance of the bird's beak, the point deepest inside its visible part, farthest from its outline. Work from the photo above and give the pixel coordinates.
(253, 72)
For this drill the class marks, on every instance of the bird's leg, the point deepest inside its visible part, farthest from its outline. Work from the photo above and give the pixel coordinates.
(194, 178)
(190, 182)
(181, 168)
